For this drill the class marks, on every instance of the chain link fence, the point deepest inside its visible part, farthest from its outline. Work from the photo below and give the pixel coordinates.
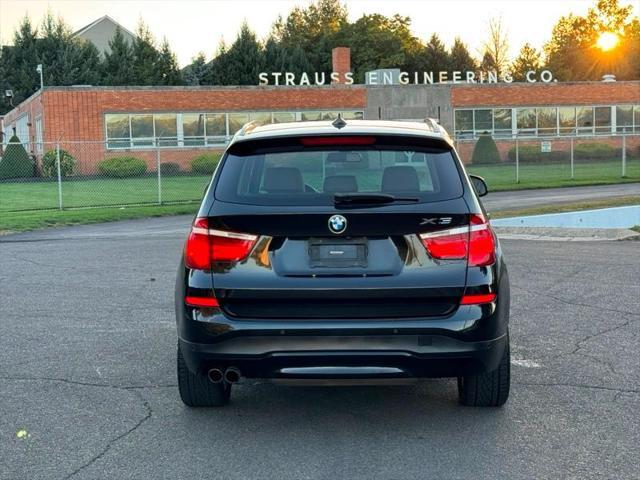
(66, 175)
(69, 175)
(552, 161)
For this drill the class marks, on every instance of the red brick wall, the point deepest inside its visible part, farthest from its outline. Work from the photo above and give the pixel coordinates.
(33, 107)
(79, 114)
(513, 95)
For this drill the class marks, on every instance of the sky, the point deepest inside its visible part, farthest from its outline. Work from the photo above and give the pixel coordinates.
(192, 26)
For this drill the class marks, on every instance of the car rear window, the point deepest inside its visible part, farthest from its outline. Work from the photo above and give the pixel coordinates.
(300, 175)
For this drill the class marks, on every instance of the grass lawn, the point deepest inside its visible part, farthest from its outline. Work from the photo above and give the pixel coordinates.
(100, 191)
(503, 177)
(23, 221)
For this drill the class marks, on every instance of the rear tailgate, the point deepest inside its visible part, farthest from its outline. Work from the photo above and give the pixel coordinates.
(382, 270)
(368, 263)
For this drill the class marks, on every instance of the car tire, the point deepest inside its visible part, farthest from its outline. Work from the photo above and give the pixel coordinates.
(196, 390)
(490, 389)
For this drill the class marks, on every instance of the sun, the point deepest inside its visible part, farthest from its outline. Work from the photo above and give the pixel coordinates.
(607, 41)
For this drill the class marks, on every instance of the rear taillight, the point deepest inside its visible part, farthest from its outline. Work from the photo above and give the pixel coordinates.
(205, 245)
(205, 302)
(482, 243)
(478, 299)
(474, 242)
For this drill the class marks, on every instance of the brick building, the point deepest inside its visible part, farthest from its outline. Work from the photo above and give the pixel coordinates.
(184, 121)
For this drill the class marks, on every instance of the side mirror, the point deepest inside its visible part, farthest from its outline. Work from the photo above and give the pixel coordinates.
(479, 185)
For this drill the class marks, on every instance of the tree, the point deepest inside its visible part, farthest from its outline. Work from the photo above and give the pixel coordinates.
(145, 56)
(197, 71)
(528, 59)
(495, 48)
(485, 151)
(373, 44)
(436, 55)
(167, 70)
(313, 29)
(241, 63)
(460, 59)
(119, 62)
(572, 53)
(219, 73)
(16, 162)
(66, 60)
(274, 55)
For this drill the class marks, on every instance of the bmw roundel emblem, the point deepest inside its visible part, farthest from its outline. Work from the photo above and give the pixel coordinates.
(337, 224)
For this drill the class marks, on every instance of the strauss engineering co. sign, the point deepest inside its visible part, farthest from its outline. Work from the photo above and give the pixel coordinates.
(391, 77)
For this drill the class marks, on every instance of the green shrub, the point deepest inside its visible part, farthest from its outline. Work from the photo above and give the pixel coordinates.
(594, 151)
(533, 154)
(50, 168)
(121, 167)
(169, 168)
(206, 163)
(16, 162)
(485, 151)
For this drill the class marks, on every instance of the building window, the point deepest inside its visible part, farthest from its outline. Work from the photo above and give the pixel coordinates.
(502, 122)
(118, 131)
(193, 129)
(236, 121)
(636, 118)
(261, 118)
(624, 118)
(352, 115)
(483, 121)
(142, 130)
(39, 148)
(463, 123)
(216, 128)
(548, 121)
(526, 121)
(124, 130)
(166, 125)
(567, 120)
(22, 131)
(310, 116)
(584, 120)
(284, 117)
(602, 119)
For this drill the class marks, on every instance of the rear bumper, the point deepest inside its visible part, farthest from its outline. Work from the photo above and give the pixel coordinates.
(341, 356)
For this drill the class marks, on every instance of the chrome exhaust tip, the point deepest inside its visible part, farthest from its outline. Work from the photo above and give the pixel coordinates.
(232, 375)
(215, 375)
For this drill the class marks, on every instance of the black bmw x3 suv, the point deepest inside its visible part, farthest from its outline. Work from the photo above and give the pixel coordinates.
(345, 252)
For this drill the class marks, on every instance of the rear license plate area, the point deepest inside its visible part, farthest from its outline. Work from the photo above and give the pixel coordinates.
(338, 252)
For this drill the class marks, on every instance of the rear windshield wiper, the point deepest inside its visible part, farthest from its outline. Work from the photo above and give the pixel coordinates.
(369, 198)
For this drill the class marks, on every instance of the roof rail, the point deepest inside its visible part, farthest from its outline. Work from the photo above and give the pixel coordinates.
(248, 128)
(432, 124)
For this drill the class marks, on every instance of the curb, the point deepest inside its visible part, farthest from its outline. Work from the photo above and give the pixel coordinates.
(557, 234)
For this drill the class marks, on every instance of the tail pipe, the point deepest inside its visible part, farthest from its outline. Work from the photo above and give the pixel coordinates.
(232, 375)
(215, 375)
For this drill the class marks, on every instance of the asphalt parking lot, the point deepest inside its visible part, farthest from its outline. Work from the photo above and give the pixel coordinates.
(87, 375)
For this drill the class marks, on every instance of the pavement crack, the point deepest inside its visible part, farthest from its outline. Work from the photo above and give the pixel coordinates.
(575, 304)
(105, 450)
(87, 384)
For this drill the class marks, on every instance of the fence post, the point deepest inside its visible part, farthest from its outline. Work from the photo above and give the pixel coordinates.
(59, 176)
(624, 155)
(572, 175)
(159, 176)
(517, 161)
